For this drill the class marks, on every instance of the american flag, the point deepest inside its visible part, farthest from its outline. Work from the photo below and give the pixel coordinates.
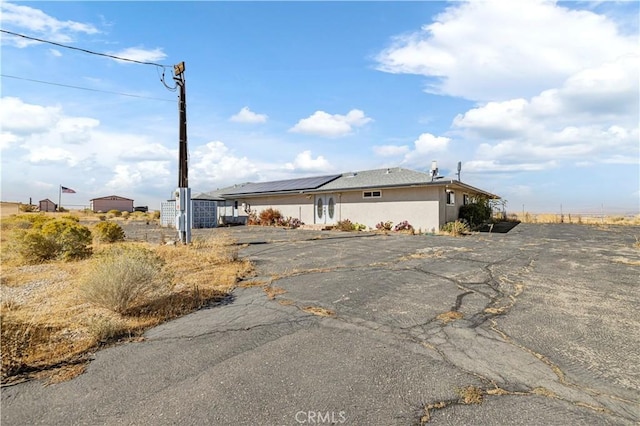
(67, 190)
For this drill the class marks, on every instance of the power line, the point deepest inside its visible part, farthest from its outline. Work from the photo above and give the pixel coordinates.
(85, 88)
(85, 50)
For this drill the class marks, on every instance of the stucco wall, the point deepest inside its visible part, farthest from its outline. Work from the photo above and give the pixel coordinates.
(418, 206)
(297, 206)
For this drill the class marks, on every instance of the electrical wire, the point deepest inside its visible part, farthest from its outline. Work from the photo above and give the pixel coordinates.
(84, 88)
(85, 50)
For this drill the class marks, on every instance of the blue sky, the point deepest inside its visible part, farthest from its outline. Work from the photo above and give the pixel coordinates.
(538, 99)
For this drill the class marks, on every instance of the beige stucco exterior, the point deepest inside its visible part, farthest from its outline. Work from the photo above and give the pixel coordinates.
(424, 207)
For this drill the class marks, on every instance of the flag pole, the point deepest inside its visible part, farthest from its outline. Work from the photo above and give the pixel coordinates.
(59, 196)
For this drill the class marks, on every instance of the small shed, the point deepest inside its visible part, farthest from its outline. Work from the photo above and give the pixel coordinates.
(111, 202)
(47, 205)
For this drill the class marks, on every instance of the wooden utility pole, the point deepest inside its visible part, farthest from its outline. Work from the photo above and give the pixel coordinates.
(183, 194)
(183, 166)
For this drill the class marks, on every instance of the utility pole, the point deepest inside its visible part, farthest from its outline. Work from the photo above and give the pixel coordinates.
(183, 193)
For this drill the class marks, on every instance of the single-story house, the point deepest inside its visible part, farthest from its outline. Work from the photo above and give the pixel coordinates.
(47, 205)
(367, 197)
(111, 202)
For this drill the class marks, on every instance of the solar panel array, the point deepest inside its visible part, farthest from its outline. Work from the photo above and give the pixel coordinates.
(282, 185)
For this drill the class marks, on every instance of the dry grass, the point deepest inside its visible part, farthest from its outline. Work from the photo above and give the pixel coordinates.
(583, 219)
(447, 317)
(471, 395)
(48, 329)
(273, 291)
(321, 312)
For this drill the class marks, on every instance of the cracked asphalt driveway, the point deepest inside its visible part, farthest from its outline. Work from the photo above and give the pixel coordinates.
(537, 326)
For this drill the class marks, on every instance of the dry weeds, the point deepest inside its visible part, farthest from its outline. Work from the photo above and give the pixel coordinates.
(273, 291)
(447, 317)
(471, 395)
(583, 219)
(48, 330)
(321, 312)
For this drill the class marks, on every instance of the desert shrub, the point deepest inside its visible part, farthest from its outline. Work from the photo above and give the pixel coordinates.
(102, 217)
(114, 213)
(121, 277)
(403, 226)
(476, 213)
(155, 215)
(456, 228)
(269, 217)
(62, 209)
(253, 218)
(70, 217)
(108, 232)
(54, 239)
(125, 215)
(289, 222)
(344, 225)
(25, 221)
(384, 226)
(27, 208)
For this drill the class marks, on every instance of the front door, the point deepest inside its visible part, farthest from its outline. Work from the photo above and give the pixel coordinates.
(325, 209)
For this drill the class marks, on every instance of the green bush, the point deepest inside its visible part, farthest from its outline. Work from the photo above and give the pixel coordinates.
(476, 213)
(114, 213)
(122, 277)
(109, 232)
(54, 239)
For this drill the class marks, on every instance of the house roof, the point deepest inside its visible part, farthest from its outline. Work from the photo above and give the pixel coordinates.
(108, 197)
(206, 196)
(367, 179)
(46, 200)
(394, 177)
(278, 186)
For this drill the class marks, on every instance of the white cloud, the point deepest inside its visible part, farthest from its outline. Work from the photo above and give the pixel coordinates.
(306, 163)
(245, 115)
(19, 117)
(140, 54)
(36, 21)
(143, 174)
(486, 166)
(592, 117)
(390, 150)
(55, 53)
(214, 165)
(500, 50)
(331, 125)
(43, 142)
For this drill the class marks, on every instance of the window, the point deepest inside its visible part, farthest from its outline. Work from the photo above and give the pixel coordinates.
(465, 199)
(320, 208)
(371, 194)
(451, 197)
(331, 208)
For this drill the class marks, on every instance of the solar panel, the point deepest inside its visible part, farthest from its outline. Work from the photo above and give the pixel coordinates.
(300, 184)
